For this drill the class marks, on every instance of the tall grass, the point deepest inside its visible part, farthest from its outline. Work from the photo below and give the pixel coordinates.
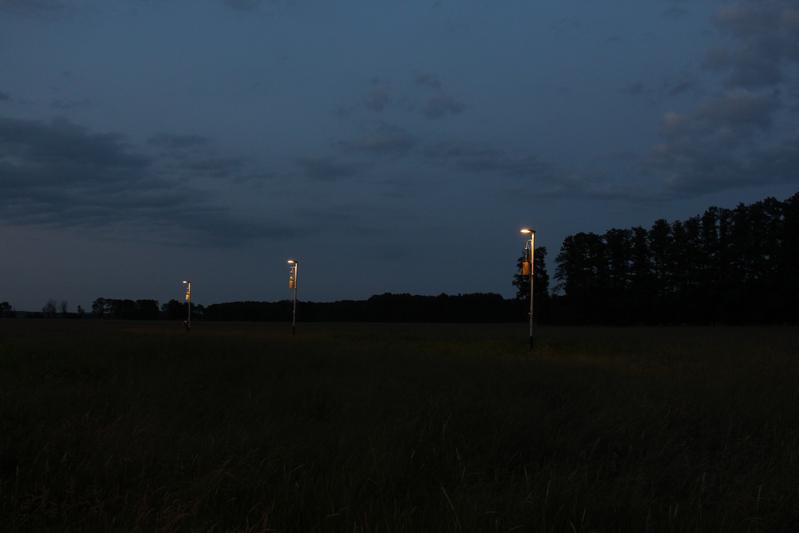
(239, 427)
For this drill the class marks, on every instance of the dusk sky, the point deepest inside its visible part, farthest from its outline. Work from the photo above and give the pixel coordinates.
(390, 146)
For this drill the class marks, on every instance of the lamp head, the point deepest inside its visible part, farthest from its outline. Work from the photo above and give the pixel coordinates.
(527, 231)
(292, 261)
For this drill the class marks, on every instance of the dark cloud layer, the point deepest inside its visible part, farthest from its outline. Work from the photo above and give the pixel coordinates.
(62, 175)
(442, 105)
(173, 142)
(483, 159)
(65, 104)
(763, 42)
(384, 140)
(327, 168)
(730, 140)
(426, 79)
(378, 97)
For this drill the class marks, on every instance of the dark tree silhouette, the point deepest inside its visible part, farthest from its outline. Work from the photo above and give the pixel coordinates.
(727, 265)
(49, 309)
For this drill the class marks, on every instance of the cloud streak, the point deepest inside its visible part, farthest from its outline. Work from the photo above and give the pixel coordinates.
(59, 174)
(384, 140)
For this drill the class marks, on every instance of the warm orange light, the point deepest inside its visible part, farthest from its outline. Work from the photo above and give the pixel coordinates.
(526, 231)
(292, 262)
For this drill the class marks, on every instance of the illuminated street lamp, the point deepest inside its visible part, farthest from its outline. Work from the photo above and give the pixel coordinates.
(528, 268)
(294, 271)
(187, 323)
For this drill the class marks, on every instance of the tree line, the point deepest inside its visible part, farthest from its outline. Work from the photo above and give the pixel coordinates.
(728, 266)
(479, 307)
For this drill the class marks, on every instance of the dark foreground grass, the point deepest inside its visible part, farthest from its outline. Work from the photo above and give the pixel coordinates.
(127, 426)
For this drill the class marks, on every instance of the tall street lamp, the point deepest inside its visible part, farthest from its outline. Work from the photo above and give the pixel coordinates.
(528, 267)
(294, 271)
(187, 323)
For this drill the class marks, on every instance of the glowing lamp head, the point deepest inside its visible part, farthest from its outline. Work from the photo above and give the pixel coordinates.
(292, 262)
(185, 282)
(527, 231)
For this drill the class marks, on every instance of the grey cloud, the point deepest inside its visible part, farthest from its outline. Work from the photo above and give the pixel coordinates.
(214, 167)
(740, 109)
(675, 12)
(677, 88)
(746, 67)
(327, 168)
(193, 156)
(378, 98)
(636, 88)
(385, 140)
(721, 123)
(172, 141)
(728, 141)
(425, 79)
(689, 171)
(62, 175)
(764, 42)
(441, 105)
(717, 147)
(68, 105)
(4, 97)
(475, 158)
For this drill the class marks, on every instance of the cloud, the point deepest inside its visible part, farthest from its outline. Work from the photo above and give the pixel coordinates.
(724, 144)
(481, 159)
(384, 140)
(178, 142)
(378, 97)
(68, 105)
(690, 171)
(214, 167)
(733, 139)
(62, 175)
(724, 121)
(426, 79)
(675, 12)
(636, 88)
(442, 105)
(194, 156)
(763, 42)
(326, 168)
(681, 86)
(4, 97)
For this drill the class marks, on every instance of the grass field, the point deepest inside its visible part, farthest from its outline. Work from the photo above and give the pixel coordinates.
(123, 426)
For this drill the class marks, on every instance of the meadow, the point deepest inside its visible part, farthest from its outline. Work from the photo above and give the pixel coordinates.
(384, 427)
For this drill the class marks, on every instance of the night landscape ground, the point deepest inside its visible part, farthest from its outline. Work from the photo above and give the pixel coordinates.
(378, 427)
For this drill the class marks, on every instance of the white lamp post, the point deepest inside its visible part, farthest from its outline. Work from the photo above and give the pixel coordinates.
(294, 271)
(530, 245)
(187, 323)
